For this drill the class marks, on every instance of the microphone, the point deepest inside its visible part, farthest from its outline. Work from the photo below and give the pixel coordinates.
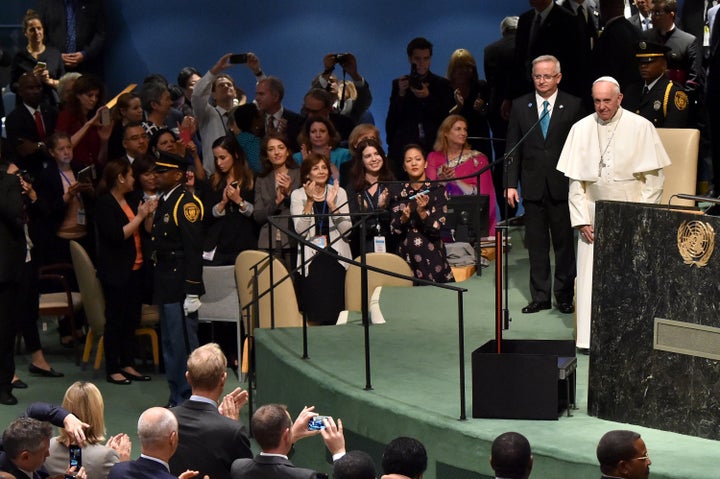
(697, 199)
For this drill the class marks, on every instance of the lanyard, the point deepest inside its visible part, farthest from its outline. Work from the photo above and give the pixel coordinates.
(70, 184)
(322, 218)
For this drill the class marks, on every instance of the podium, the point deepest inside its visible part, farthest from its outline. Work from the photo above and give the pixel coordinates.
(655, 334)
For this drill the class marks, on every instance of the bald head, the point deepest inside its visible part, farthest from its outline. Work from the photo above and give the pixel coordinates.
(158, 432)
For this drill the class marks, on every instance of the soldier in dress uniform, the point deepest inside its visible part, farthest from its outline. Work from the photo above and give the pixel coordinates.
(177, 237)
(657, 98)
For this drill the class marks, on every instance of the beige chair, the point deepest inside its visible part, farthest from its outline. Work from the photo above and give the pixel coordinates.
(387, 261)
(681, 145)
(287, 312)
(94, 306)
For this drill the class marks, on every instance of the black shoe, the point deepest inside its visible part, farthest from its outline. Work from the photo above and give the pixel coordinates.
(536, 306)
(566, 308)
(7, 398)
(44, 372)
(18, 384)
(122, 382)
(135, 377)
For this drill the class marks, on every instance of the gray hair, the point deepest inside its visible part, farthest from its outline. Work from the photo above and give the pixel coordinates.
(25, 434)
(508, 23)
(155, 425)
(64, 81)
(548, 58)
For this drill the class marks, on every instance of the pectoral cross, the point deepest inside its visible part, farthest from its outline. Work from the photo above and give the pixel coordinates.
(601, 166)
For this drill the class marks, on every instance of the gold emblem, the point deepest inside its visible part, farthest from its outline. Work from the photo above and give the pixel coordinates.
(681, 100)
(191, 212)
(696, 242)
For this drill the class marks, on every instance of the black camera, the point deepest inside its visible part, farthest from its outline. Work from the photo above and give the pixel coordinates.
(25, 176)
(415, 78)
(341, 58)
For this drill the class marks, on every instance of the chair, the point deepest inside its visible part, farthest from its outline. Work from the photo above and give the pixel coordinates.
(221, 300)
(62, 303)
(386, 261)
(287, 312)
(681, 145)
(94, 306)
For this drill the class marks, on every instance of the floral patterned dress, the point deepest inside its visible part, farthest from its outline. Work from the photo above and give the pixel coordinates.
(419, 240)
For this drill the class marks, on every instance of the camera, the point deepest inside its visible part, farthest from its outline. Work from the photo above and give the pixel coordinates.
(238, 58)
(25, 176)
(316, 423)
(341, 58)
(415, 78)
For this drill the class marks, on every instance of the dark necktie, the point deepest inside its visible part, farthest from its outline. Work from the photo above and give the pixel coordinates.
(645, 90)
(535, 30)
(581, 14)
(71, 42)
(39, 125)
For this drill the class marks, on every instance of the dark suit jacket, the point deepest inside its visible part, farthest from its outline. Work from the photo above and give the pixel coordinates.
(140, 469)
(115, 254)
(691, 17)
(535, 161)
(209, 441)
(663, 111)
(20, 124)
(294, 126)
(558, 37)
(636, 22)
(589, 27)
(686, 55)
(89, 29)
(614, 53)
(12, 234)
(268, 467)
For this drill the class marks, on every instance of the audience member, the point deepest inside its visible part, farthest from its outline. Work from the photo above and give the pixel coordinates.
(128, 109)
(187, 79)
(42, 61)
(279, 178)
(642, 20)
(269, 93)
(657, 98)
(210, 439)
(405, 456)
(25, 444)
(614, 52)
(246, 123)
(320, 136)
(368, 192)
(77, 29)
(510, 456)
(319, 102)
(417, 217)
(418, 104)
(158, 433)
(134, 141)
(81, 119)
(166, 141)
(120, 267)
(623, 454)
(344, 105)
(64, 87)
(471, 99)
(29, 125)
(177, 243)
(544, 188)
(587, 14)
(229, 228)
(354, 465)
(326, 225)
(156, 103)
(275, 433)
(612, 154)
(83, 399)
(453, 157)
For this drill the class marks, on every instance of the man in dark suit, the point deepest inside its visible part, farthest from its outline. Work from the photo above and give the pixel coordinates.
(642, 20)
(587, 14)
(29, 124)
(275, 433)
(544, 189)
(158, 433)
(209, 441)
(614, 53)
(405, 456)
(657, 98)
(498, 64)
(26, 442)
(319, 102)
(269, 93)
(81, 42)
(549, 29)
(419, 102)
(177, 237)
(623, 454)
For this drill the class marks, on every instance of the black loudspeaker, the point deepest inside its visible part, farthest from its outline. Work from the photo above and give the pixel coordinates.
(524, 380)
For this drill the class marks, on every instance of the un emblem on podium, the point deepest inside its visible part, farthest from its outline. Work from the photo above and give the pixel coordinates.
(696, 242)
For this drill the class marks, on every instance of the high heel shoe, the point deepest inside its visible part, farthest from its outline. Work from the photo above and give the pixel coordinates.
(135, 377)
(122, 382)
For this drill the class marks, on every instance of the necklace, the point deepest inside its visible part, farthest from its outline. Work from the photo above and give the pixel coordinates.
(611, 136)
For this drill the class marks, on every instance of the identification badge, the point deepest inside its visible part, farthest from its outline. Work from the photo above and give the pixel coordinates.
(81, 216)
(320, 241)
(379, 244)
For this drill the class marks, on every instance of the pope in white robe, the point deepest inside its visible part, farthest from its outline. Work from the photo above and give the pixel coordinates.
(612, 154)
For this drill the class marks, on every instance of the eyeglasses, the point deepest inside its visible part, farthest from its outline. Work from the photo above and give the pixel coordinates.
(544, 77)
(646, 457)
(657, 13)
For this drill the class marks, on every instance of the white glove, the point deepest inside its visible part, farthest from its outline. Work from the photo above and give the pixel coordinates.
(192, 303)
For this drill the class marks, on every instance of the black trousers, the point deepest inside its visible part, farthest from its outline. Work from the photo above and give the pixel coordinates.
(8, 295)
(123, 307)
(548, 221)
(26, 305)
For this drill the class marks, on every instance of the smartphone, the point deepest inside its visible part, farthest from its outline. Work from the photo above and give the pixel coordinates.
(234, 184)
(75, 457)
(87, 174)
(316, 423)
(42, 65)
(239, 58)
(104, 117)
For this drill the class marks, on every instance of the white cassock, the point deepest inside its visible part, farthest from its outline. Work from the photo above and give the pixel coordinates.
(620, 160)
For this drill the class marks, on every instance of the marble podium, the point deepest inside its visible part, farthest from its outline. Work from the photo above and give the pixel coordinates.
(655, 343)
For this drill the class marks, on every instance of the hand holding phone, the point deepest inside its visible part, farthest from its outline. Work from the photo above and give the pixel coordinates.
(238, 58)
